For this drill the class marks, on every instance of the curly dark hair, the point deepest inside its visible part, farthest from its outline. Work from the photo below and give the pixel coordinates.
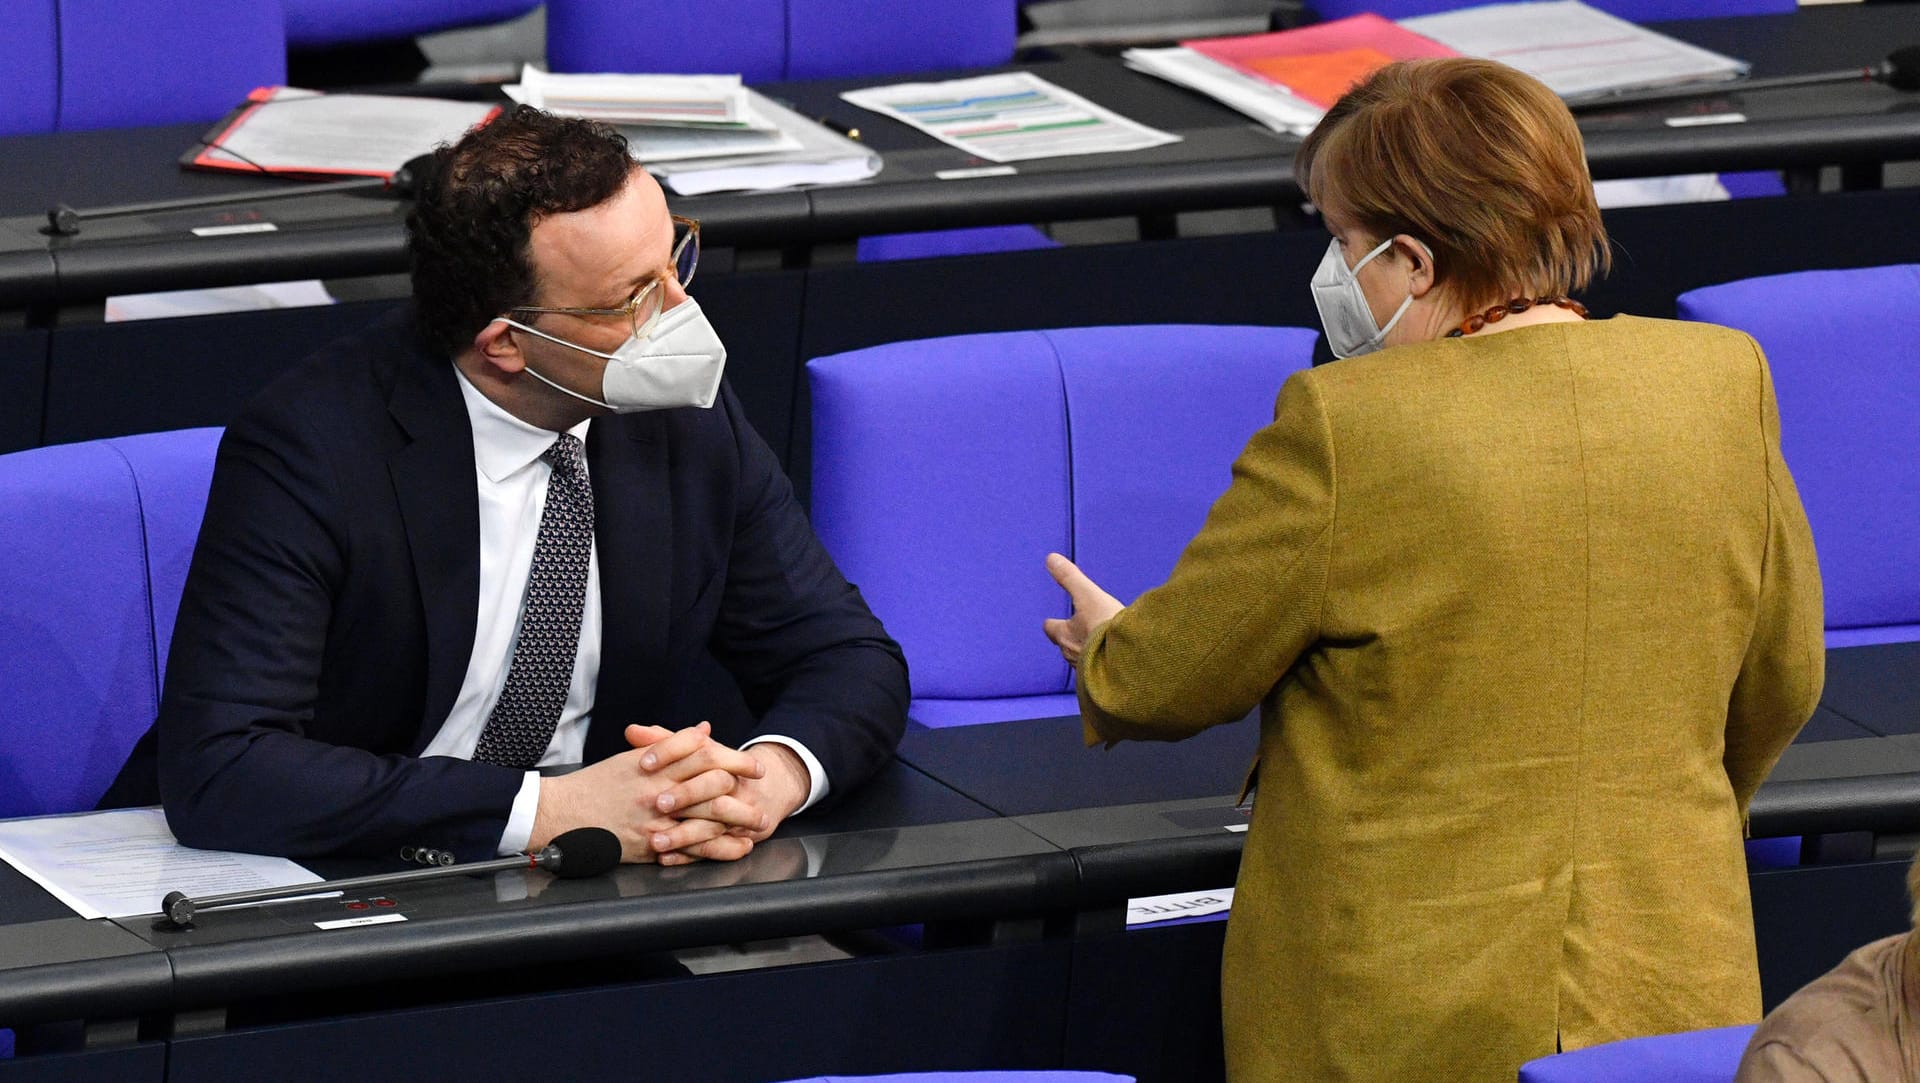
(476, 207)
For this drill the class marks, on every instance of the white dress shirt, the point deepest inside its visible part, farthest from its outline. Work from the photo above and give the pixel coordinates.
(511, 478)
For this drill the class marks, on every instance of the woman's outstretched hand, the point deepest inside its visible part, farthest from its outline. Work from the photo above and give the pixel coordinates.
(1092, 607)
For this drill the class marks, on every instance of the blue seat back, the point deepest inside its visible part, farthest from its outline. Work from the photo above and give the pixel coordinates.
(98, 538)
(29, 68)
(313, 24)
(1634, 11)
(944, 471)
(1695, 1056)
(767, 40)
(1844, 347)
(125, 63)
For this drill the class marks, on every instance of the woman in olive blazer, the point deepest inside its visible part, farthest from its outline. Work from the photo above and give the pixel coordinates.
(1529, 612)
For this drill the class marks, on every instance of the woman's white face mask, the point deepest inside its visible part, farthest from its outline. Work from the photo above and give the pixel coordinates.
(678, 363)
(1344, 313)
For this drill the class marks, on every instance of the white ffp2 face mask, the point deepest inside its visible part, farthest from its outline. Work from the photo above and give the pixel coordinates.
(1344, 313)
(678, 364)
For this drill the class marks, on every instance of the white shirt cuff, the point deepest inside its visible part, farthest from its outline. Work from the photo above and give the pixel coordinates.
(816, 774)
(520, 818)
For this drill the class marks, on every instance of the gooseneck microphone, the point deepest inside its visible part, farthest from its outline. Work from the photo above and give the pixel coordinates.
(574, 855)
(406, 182)
(1900, 70)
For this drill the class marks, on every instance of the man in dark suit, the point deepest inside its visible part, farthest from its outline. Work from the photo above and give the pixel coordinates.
(512, 530)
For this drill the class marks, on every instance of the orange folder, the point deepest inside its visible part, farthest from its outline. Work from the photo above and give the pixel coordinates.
(1321, 62)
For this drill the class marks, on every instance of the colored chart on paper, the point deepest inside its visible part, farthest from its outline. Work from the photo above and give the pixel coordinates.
(1009, 118)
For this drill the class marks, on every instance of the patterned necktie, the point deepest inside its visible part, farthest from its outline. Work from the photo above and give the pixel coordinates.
(521, 726)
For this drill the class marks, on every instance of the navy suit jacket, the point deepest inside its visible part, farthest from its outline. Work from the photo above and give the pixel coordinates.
(329, 613)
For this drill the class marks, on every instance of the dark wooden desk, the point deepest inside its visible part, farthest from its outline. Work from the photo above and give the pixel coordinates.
(1224, 160)
(1013, 836)
(568, 963)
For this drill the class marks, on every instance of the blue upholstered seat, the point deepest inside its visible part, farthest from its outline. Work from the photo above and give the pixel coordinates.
(125, 63)
(1844, 347)
(99, 536)
(768, 40)
(29, 68)
(944, 471)
(322, 23)
(1695, 1056)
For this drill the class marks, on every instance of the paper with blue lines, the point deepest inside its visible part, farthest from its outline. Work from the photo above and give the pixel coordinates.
(1009, 118)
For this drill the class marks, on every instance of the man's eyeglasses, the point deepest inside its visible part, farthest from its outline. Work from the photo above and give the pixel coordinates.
(644, 307)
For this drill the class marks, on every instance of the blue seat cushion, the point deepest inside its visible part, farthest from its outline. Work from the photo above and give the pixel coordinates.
(1158, 415)
(837, 38)
(975, 425)
(78, 659)
(173, 471)
(941, 713)
(944, 470)
(30, 69)
(768, 40)
(744, 37)
(1844, 349)
(127, 63)
(321, 23)
(1695, 1056)
(952, 242)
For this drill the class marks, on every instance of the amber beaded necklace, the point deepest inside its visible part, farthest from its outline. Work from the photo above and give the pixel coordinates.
(1514, 307)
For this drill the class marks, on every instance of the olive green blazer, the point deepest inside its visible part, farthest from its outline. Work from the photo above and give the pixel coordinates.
(1528, 617)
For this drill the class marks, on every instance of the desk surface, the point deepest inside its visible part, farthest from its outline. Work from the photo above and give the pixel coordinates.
(1224, 160)
(992, 821)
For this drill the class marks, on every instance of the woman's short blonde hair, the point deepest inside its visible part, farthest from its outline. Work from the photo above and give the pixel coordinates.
(1478, 160)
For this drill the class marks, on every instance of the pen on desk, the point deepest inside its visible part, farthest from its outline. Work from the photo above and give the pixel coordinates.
(847, 130)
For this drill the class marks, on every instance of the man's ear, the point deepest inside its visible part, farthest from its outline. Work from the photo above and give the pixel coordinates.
(1419, 263)
(498, 346)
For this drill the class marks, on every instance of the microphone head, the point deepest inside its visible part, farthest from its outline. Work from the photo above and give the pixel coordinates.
(584, 851)
(1903, 68)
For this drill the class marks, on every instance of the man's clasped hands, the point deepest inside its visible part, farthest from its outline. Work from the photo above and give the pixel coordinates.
(677, 796)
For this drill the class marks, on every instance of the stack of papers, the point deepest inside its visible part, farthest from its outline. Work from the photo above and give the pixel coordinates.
(703, 133)
(1578, 51)
(1286, 80)
(1009, 118)
(1271, 105)
(288, 131)
(718, 101)
(1320, 63)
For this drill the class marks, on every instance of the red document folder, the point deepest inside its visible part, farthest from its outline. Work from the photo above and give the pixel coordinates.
(298, 133)
(1320, 62)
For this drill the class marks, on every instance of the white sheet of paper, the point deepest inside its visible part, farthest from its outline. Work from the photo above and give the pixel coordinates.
(351, 133)
(820, 156)
(1181, 904)
(655, 143)
(639, 98)
(123, 862)
(1271, 105)
(1578, 51)
(304, 293)
(1009, 118)
(1656, 191)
